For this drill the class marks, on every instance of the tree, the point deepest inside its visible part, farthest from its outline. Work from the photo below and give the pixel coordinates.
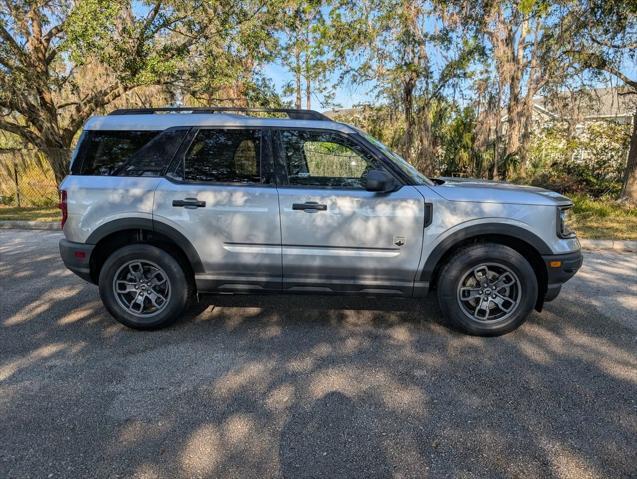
(600, 36)
(304, 45)
(48, 45)
(520, 58)
(226, 68)
(395, 43)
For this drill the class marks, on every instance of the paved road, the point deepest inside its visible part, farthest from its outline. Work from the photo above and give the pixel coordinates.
(312, 386)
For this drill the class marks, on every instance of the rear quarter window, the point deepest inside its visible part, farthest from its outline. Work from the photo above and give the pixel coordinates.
(104, 153)
(154, 157)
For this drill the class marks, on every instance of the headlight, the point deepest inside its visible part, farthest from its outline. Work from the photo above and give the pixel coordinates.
(564, 222)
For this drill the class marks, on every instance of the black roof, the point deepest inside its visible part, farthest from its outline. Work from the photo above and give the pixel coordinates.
(290, 112)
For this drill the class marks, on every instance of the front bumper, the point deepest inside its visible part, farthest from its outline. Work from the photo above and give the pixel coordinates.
(77, 257)
(560, 268)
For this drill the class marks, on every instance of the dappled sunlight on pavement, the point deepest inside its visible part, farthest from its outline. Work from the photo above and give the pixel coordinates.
(309, 386)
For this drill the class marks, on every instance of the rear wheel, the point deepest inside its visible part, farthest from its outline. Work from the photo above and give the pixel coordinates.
(143, 287)
(487, 289)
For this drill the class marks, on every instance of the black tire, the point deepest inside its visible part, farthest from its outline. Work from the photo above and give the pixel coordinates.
(460, 272)
(178, 292)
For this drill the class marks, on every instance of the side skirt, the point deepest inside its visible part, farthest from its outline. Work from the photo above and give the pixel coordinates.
(207, 283)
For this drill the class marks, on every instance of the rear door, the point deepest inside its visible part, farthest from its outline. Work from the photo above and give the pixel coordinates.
(219, 196)
(336, 235)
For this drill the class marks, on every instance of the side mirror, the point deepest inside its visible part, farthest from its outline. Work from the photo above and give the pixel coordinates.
(380, 181)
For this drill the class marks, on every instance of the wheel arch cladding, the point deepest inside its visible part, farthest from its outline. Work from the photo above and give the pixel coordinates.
(523, 241)
(115, 234)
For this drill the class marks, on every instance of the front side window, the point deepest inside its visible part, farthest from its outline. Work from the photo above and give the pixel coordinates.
(224, 156)
(407, 168)
(327, 159)
(103, 153)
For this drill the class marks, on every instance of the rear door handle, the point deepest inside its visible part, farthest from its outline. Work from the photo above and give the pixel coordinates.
(309, 206)
(189, 203)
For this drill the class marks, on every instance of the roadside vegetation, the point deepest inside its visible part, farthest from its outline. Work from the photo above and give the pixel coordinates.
(30, 213)
(604, 219)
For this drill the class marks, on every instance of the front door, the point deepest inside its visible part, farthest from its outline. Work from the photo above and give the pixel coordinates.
(218, 197)
(336, 235)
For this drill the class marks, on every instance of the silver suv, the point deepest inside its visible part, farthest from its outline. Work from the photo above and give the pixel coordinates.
(164, 204)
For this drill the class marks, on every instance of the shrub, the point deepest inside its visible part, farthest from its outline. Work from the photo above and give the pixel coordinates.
(589, 161)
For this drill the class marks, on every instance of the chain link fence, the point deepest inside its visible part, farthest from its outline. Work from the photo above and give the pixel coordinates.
(26, 179)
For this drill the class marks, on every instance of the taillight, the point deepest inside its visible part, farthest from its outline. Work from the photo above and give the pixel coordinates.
(63, 206)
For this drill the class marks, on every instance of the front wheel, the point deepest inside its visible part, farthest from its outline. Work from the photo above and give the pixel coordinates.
(487, 289)
(143, 287)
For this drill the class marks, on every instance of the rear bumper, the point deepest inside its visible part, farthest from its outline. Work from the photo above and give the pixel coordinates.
(77, 257)
(560, 268)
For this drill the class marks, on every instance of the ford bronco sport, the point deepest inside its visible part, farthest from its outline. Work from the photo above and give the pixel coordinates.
(164, 204)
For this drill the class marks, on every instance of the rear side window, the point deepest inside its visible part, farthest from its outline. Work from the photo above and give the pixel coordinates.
(224, 156)
(155, 156)
(103, 153)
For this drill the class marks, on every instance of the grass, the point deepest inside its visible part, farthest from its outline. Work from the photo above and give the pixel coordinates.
(604, 219)
(593, 218)
(32, 213)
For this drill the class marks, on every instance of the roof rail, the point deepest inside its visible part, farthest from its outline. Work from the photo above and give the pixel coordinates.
(290, 112)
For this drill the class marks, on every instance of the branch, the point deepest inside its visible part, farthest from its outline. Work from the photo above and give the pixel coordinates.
(151, 16)
(88, 106)
(19, 102)
(67, 104)
(606, 43)
(614, 71)
(4, 61)
(6, 36)
(596, 61)
(21, 131)
(51, 34)
(51, 55)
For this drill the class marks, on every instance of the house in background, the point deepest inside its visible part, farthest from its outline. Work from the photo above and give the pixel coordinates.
(584, 114)
(584, 106)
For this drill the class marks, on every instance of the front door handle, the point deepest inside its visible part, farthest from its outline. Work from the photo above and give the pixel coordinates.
(189, 203)
(309, 206)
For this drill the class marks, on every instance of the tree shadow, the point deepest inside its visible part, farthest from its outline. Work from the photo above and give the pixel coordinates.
(332, 438)
(263, 386)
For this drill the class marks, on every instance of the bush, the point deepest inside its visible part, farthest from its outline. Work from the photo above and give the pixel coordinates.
(590, 161)
(7, 200)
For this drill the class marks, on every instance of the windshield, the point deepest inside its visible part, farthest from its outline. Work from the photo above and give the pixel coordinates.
(416, 176)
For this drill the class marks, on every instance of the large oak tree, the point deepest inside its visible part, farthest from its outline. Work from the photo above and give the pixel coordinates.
(62, 61)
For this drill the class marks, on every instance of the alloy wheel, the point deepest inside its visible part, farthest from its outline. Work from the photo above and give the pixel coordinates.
(142, 288)
(489, 292)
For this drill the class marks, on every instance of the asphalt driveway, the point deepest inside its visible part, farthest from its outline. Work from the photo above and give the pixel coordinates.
(312, 386)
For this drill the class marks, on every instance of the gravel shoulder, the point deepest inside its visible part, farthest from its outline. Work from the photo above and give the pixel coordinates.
(311, 386)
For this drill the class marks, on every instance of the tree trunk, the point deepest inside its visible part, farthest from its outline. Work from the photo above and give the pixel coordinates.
(58, 159)
(308, 72)
(424, 160)
(629, 190)
(496, 154)
(497, 139)
(297, 73)
(532, 86)
(514, 126)
(525, 136)
(308, 89)
(408, 105)
(509, 55)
